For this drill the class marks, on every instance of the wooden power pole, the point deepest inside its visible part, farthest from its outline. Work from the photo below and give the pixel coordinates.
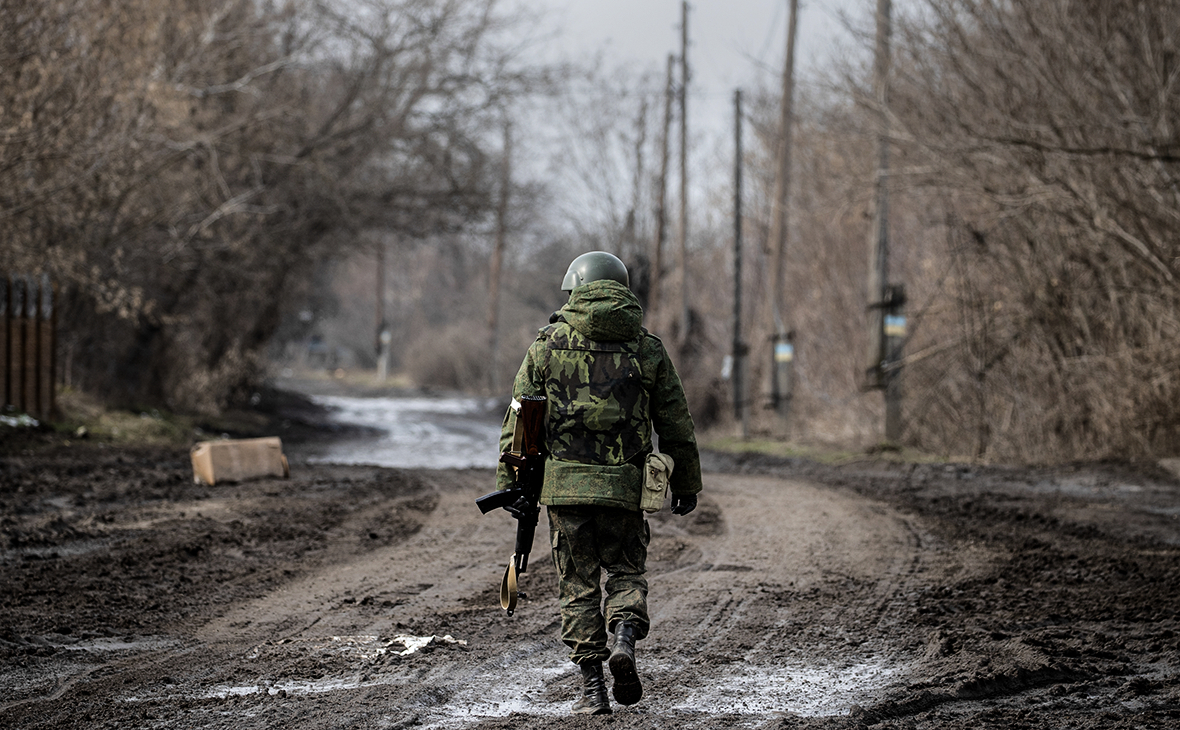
(381, 335)
(498, 258)
(783, 349)
(738, 376)
(657, 254)
(629, 245)
(885, 300)
(684, 78)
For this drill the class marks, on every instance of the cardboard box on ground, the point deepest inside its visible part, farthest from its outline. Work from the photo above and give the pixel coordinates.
(237, 460)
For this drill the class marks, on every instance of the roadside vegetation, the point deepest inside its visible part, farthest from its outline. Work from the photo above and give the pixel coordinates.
(85, 419)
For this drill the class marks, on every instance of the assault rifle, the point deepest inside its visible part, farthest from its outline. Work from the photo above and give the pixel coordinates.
(526, 458)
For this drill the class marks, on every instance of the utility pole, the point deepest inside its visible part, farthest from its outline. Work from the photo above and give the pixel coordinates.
(684, 78)
(894, 326)
(382, 335)
(629, 246)
(739, 347)
(498, 258)
(657, 262)
(783, 349)
(885, 300)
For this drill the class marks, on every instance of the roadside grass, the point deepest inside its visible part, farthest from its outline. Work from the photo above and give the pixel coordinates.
(82, 416)
(830, 455)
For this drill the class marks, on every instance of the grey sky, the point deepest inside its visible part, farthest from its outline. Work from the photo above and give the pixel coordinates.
(732, 42)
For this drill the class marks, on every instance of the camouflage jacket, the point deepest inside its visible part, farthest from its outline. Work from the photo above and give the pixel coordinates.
(608, 383)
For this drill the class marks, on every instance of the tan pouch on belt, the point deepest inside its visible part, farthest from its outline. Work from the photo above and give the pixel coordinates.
(657, 469)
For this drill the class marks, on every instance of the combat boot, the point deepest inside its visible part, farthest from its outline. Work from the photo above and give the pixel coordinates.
(627, 689)
(593, 700)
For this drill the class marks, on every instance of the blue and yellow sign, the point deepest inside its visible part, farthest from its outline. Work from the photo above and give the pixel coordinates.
(894, 325)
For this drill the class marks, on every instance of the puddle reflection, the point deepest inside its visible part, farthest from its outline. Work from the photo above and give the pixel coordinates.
(415, 433)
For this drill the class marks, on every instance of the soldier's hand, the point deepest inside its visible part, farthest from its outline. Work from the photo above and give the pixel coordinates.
(521, 508)
(682, 504)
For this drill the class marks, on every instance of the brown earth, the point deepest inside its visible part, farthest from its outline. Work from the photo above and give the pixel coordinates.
(797, 595)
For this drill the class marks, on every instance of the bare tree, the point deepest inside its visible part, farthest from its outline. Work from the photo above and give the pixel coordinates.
(180, 167)
(600, 155)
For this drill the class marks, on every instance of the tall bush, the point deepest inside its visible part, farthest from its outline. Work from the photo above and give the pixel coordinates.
(178, 166)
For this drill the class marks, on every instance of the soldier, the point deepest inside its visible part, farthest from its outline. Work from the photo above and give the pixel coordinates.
(608, 382)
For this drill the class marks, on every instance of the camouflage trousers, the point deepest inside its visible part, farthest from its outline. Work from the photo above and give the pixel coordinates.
(587, 540)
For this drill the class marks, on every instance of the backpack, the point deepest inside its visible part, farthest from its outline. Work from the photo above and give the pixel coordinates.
(598, 406)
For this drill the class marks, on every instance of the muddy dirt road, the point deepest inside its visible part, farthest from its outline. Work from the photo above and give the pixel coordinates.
(869, 595)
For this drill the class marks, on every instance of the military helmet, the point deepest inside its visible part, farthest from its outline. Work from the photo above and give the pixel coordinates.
(594, 266)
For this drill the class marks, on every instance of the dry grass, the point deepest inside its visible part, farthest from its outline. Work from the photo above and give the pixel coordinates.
(820, 454)
(84, 416)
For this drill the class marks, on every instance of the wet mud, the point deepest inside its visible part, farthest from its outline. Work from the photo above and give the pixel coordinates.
(797, 595)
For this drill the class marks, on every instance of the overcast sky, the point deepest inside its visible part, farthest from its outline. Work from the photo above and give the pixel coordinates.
(733, 43)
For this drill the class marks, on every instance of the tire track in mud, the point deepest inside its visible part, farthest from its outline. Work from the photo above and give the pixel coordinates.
(781, 551)
(446, 574)
(1008, 603)
(400, 571)
(718, 619)
(748, 595)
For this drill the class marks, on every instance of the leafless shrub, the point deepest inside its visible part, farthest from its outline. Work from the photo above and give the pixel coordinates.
(1046, 132)
(452, 357)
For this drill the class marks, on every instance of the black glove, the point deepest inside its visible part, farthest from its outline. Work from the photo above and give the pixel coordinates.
(522, 508)
(682, 504)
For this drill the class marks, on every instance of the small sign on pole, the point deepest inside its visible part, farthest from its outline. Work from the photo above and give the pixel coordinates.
(783, 368)
(894, 326)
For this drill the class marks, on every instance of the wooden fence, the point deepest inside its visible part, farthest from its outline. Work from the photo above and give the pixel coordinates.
(28, 345)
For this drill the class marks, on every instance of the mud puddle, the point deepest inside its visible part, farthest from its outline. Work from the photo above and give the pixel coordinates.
(803, 690)
(414, 433)
(501, 687)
